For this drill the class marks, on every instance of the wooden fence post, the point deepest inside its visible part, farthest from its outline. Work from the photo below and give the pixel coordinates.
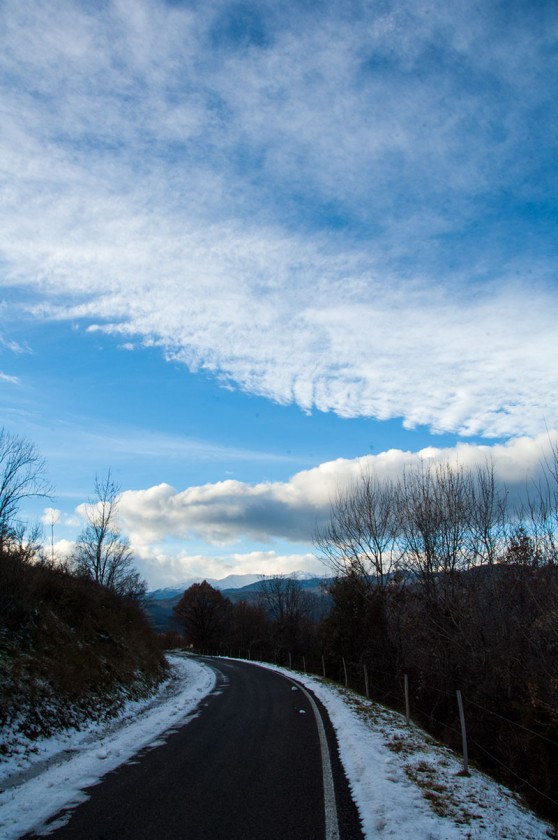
(345, 670)
(366, 681)
(323, 666)
(304, 663)
(407, 710)
(463, 734)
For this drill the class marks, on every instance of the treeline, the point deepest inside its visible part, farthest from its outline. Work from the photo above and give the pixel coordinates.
(442, 580)
(283, 620)
(72, 646)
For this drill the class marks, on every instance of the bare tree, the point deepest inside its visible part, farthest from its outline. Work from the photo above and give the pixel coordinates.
(539, 514)
(360, 538)
(102, 552)
(489, 513)
(435, 503)
(248, 628)
(289, 607)
(22, 476)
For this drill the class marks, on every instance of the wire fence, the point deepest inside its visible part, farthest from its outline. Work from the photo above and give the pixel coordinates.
(516, 754)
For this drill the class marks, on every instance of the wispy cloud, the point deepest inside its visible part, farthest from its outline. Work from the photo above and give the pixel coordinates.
(130, 442)
(109, 444)
(348, 211)
(8, 344)
(6, 377)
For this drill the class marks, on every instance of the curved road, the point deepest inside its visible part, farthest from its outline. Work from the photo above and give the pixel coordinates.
(249, 766)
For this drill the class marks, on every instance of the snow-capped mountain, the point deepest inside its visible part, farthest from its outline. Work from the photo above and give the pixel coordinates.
(229, 582)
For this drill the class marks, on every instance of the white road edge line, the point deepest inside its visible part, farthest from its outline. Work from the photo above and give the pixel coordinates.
(330, 807)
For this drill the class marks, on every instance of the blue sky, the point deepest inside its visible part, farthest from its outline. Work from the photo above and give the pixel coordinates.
(247, 249)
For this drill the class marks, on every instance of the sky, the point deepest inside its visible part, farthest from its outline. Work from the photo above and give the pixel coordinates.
(248, 248)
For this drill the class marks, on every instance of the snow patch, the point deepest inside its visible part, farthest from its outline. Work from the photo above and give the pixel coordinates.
(35, 787)
(407, 785)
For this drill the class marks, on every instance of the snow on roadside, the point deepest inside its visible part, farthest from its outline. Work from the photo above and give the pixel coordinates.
(406, 785)
(39, 785)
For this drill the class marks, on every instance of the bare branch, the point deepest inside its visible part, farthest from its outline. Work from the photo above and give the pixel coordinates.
(102, 552)
(22, 476)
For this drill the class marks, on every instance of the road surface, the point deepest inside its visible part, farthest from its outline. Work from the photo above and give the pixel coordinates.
(259, 762)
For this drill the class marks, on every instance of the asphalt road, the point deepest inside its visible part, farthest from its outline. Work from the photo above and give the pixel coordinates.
(250, 766)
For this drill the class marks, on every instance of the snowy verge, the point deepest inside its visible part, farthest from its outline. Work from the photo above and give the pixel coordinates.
(406, 785)
(53, 776)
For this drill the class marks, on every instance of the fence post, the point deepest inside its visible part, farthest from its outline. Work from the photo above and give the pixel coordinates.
(366, 681)
(304, 663)
(345, 670)
(323, 665)
(407, 710)
(463, 734)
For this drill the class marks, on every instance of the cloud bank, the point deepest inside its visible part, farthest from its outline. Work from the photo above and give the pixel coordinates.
(163, 568)
(348, 211)
(226, 512)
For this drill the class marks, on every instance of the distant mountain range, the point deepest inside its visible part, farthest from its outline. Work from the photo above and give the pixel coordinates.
(161, 602)
(226, 583)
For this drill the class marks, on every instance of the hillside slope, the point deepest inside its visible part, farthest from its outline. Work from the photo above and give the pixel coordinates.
(70, 650)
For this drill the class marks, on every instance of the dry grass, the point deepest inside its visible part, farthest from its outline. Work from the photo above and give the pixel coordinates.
(432, 767)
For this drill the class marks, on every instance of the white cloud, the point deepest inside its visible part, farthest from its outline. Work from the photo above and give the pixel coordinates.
(229, 511)
(12, 380)
(162, 568)
(322, 220)
(63, 549)
(50, 516)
